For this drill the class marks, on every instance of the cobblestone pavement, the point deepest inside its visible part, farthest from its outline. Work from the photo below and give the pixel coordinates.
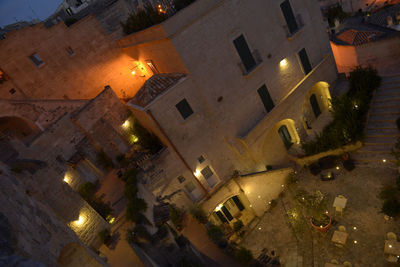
(361, 187)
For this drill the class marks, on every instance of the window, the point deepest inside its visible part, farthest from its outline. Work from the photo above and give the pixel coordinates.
(151, 65)
(244, 53)
(70, 51)
(285, 136)
(181, 179)
(289, 16)
(184, 108)
(266, 98)
(190, 187)
(238, 203)
(36, 60)
(304, 61)
(201, 159)
(207, 172)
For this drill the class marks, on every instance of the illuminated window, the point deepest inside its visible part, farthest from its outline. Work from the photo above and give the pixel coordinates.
(36, 60)
(151, 65)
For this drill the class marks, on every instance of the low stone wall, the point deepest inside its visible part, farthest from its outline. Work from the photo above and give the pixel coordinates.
(335, 152)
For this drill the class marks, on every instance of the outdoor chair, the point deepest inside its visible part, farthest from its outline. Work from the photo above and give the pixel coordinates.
(333, 261)
(391, 258)
(339, 210)
(342, 228)
(347, 264)
(391, 236)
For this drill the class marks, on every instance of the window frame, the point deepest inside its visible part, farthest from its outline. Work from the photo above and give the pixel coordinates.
(36, 59)
(301, 63)
(262, 101)
(184, 100)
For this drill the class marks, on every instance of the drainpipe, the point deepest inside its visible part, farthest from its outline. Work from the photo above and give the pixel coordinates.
(176, 151)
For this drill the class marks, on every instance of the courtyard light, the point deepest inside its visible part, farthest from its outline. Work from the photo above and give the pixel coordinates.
(80, 221)
(355, 241)
(67, 178)
(383, 160)
(337, 167)
(196, 173)
(134, 138)
(259, 228)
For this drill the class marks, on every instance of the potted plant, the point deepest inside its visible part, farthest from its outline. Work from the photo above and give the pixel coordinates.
(314, 205)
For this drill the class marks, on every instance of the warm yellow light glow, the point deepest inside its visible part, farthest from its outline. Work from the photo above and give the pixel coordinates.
(67, 179)
(134, 138)
(80, 221)
(259, 228)
(259, 196)
(219, 207)
(133, 72)
(196, 173)
(126, 124)
(283, 63)
(111, 220)
(337, 168)
(355, 228)
(355, 241)
(384, 160)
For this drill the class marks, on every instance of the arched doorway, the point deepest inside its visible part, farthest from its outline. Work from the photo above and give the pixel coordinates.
(18, 128)
(232, 210)
(315, 106)
(285, 136)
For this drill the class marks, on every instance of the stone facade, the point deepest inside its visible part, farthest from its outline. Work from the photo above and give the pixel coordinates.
(230, 129)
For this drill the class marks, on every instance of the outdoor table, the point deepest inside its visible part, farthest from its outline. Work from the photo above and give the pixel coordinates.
(340, 202)
(392, 247)
(340, 237)
(328, 264)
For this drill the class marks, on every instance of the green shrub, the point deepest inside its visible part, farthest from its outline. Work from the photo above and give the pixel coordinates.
(291, 178)
(180, 4)
(198, 213)
(87, 190)
(388, 192)
(130, 177)
(391, 207)
(215, 233)
(175, 214)
(104, 160)
(122, 160)
(102, 208)
(244, 256)
(237, 226)
(69, 21)
(349, 113)
(143, 19)
(105, 236)
(142, 232)
(335, 12)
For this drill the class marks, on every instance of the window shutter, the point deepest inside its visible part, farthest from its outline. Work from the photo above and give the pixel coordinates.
(289, 16)
(184, 108)
(238, 203)
(304, 61)
(244, 53)
(266, 98)
(227, 213)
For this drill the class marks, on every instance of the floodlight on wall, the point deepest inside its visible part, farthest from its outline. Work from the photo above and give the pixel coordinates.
(283, 63)
(67, 178)
(138, 69)
(196, 173)
(219, 207)
(126, 124)
(80, 220)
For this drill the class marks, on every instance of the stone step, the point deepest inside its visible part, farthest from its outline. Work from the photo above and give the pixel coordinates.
(392, 90)
(385, 109)
(373, 156)
(369, 140)
(378, 148)
(389, 116)
(383, 98)
(386, 104)
(381, 124)
(374, 132)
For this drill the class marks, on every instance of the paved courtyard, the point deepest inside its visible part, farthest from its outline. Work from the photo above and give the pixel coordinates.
(303, 246)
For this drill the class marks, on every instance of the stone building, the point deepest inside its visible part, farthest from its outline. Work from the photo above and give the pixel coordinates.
(230, 88)
(239, 88)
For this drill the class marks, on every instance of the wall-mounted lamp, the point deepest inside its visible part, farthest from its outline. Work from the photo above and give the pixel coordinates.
(283, 63)
(138, 69)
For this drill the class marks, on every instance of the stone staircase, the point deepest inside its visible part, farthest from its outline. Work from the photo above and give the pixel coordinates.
(381, 131)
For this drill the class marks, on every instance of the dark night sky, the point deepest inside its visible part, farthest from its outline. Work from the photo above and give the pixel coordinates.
(20, 10)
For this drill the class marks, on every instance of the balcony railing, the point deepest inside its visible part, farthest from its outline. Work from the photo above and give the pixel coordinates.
(300, 25)
(257, 58)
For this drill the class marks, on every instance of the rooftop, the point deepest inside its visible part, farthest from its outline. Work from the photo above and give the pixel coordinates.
(355, 37)
(154, 86)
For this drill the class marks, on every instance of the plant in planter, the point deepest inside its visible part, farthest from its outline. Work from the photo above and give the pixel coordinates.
(348, 163)
(215, 233)
(244, 256)
(391, 200)
(198, 213)
(105, 236)
(238, 226)
(314, 205)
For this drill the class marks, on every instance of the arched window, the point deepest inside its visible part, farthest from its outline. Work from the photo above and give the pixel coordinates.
(315, 106)
(286, 138)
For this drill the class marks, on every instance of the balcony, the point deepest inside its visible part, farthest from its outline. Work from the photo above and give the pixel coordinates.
(300, 25)
(258, 60)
